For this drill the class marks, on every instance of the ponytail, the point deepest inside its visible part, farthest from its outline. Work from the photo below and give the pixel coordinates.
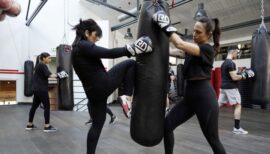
(37, 61)
(41, 57)
(214, 28)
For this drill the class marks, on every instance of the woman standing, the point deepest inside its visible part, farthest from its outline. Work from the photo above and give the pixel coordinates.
(199, 97)
(40, 88)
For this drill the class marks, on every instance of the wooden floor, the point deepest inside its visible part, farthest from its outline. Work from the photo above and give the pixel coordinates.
(115, 139)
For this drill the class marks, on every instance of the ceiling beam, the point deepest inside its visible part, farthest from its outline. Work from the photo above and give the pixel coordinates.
(40, 6)
(236, 26)
(116, 27)
(112, 7)
(245, 24)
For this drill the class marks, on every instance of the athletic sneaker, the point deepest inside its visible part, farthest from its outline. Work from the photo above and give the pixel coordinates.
(125, 103)
(239, 131)
(113, 119)
(89, 122)
(49, 129)
(30, 127)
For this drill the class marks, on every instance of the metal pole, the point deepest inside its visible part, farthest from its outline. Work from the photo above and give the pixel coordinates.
(42, 3)
(29, 2)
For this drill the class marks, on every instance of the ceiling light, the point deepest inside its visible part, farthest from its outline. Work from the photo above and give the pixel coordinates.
(200, 12)
(128, 35)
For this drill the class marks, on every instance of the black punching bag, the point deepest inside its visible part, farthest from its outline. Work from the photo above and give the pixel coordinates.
(65, 86)
(28, 78)
(148, 106)
(260, 63)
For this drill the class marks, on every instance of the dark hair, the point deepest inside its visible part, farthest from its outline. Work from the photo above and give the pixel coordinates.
(84, 25)
(41, 57)
(232, 49)
(44, 55)
(215, 31)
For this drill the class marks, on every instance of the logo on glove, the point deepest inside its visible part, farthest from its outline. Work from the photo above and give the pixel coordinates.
(141, 45)
(162, 19)
(62, 74)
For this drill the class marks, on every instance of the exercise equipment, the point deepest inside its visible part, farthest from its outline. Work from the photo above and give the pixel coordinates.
(260, 63)
(148, 107)
(65, 86)
(28, 78)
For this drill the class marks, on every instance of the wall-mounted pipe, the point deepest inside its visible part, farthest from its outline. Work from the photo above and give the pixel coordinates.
(40, 6)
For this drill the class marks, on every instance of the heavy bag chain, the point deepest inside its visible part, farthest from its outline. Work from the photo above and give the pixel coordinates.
(262, 15)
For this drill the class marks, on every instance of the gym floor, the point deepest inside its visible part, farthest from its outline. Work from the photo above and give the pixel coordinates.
(115, 139)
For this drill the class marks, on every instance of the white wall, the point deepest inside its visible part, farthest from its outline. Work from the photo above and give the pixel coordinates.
(19, 42)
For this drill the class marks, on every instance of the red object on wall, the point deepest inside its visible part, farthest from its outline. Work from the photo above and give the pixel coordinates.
(217, 80)
(10, 71)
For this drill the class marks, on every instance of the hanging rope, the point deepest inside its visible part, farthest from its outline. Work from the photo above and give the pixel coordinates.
(64, 40)
(262, 15)
(28, 44)
(13, 36)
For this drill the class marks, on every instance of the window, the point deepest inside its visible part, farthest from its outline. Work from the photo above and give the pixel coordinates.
(245, 51)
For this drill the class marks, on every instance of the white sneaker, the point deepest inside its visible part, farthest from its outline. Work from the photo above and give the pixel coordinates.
(125, 103)
(239, 131)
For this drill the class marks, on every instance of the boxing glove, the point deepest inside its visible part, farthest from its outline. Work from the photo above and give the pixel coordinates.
(247, 73)
(62, 75)
(163, 20)
(141, 45)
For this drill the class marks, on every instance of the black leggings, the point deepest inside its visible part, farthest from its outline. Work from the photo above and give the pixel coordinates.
(122, 72)
(108, 110)
(40, 97)
(199, 99)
